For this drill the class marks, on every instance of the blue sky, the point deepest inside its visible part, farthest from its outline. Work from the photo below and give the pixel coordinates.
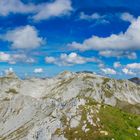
(45, 37)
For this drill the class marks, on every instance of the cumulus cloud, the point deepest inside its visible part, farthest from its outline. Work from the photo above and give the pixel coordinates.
(128, 17)
(70, 59)
(99, 19)
(117, 64)
(101, 65)
(93, 16)
(20, 58)
(38, 70)
(131, 69)
(131, 55)
(4, 57)
(24, 38)
(129, 40)
(15, 6)
(133, 66)
(50, 59)
(109, 71)
(118, 54)
(55, 9)
(127, 71)
(41, 11)
(14, 58)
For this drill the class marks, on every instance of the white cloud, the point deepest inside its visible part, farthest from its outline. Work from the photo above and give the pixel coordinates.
(99, 19)
(117, 64)
(30, 60)
(129, 40)
(131, 69)
(24, 38)
(38, 70)
(109, 53)
(15, 6)
(55, 9)
(14, 58)
(94, 16)
(41, 11)
(132, 55)
(127, 71)
(128, 17)
(118, 54)
(4, 57)
(109, 71)
(133, 66)
(70, 59)
(50, 59)
(20, 58)
(101, 65)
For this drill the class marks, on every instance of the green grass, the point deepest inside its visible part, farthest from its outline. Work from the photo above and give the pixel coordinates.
(120, 125)
(105, 80)
(108, 93)
(11, 90)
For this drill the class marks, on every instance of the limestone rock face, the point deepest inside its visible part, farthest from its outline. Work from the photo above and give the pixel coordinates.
(47, 109)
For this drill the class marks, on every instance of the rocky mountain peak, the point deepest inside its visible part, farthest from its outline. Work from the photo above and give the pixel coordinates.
(65, 74)
(69, 106)
(11, 75)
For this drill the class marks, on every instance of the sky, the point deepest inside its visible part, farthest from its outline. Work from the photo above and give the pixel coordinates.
(46, 37)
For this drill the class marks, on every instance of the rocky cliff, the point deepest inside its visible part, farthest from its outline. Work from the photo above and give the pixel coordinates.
(73, 106)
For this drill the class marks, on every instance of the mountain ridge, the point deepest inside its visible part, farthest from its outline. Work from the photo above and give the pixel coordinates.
(67, 106)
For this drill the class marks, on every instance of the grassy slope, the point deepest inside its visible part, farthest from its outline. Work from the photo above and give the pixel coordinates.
(119, 125)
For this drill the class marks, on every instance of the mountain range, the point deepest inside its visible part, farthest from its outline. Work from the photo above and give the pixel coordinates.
(135, 80)
(69, 106)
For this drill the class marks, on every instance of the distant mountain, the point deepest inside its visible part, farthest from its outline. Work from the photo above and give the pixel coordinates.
(85, 72)
(70, 106)
(135, 80)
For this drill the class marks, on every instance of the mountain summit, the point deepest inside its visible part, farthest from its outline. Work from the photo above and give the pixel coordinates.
(69, 106)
